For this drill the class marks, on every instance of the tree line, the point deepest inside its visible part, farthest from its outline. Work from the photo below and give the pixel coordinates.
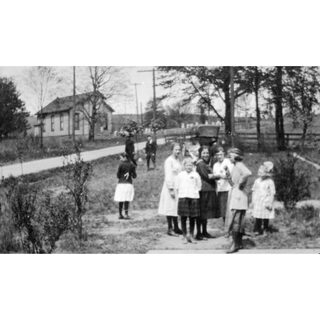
(285, 88)
(290, 89)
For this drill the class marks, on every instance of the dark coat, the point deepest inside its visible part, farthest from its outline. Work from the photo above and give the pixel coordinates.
(129, 150)
(204, 169)
(151, 148)
(126, 167)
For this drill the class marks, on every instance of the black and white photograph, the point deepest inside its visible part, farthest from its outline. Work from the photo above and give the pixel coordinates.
(159, 159)
(188, 159)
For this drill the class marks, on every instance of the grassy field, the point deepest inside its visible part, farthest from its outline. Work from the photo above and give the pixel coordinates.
(106, 234)
(29, 147)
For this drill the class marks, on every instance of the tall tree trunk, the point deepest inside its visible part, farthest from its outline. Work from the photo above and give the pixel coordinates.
(202, 115)
(279, 115)
(304, 133)
(91, 132)
(227, 118)
(258, 115)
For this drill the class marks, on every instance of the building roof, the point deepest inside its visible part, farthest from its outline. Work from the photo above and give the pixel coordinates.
(66, 103)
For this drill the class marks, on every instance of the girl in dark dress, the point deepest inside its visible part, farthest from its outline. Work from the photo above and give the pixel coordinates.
(208, 196)
(124, 191)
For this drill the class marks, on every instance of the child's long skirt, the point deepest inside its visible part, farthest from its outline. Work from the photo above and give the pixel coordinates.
(124, 192)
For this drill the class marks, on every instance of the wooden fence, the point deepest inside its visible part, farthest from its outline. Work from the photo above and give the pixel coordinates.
(245, 137)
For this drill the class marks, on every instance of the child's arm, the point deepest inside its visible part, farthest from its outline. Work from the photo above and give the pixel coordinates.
(270, 193)
(177, 183)
(198, 181)
(168, 174)
(133, 172)
(119, 172)
(246, 173)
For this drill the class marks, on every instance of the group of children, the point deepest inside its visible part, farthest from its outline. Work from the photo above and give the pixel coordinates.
(232, 176)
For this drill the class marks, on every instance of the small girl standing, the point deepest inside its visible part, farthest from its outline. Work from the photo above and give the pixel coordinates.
(188, 185)
(263, 192)
(124, 191)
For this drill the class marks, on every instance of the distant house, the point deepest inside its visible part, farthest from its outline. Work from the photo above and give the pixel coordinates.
(57, 116)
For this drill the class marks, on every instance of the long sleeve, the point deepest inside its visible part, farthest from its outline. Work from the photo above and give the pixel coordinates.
(198, 181)
(133, 171)
(270, 193)
(119, 172)
(246, 173)
(168, 174)
(203, 171)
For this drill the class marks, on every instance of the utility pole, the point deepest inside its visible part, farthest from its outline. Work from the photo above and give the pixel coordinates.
(154, 93)
(141, 114)
(232, 104)
(74, 106)
(41, 128)
(137, 101)
(154, 105)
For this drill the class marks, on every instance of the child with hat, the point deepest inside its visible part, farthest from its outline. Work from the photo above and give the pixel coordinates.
(238, 199)
(263, 192)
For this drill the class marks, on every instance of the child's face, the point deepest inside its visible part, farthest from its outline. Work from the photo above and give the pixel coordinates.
(189, 167)
(232, 157)
(176, 151)
(261, 171)
(220, 156)
(205, 154)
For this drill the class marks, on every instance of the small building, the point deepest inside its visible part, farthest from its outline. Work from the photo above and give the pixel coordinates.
(57, 116)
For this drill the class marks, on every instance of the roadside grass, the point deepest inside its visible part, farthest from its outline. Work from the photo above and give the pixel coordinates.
(53, 147)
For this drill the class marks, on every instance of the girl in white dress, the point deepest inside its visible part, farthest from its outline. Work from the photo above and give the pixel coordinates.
(168, 205)
(263, 192)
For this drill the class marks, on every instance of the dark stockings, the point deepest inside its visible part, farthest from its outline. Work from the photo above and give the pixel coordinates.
(126, 208)
(169, 221)
(258, 225)
(173, 225)
(191, 227)
(202, 224)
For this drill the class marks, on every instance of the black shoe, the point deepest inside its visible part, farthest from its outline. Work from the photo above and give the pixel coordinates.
(199, 236)
(171, 233)
(127, 217)
(207, 235)
(233, 249)
(177, 231)
(121, 217)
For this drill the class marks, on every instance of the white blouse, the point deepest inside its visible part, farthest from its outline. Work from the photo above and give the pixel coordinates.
(188, 185)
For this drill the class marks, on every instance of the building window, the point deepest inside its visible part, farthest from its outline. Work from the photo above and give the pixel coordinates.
(43, 124)
(105, 122)
(52, 123)
(76, 121)
(61, 122)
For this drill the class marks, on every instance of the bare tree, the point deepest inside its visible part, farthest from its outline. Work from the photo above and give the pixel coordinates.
(41, 80)
(105, 83)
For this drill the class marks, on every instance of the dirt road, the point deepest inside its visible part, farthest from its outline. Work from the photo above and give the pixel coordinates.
(56, 162)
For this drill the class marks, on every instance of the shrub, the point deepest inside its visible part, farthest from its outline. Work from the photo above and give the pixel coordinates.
(37, 219)
(292, 182)
(8, 239)
(55, 215)
(77, 177)
(22, 201)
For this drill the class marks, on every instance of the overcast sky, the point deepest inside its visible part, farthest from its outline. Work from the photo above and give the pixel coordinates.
(122, 105)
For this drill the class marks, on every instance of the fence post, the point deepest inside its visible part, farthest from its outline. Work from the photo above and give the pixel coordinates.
(287, 139)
